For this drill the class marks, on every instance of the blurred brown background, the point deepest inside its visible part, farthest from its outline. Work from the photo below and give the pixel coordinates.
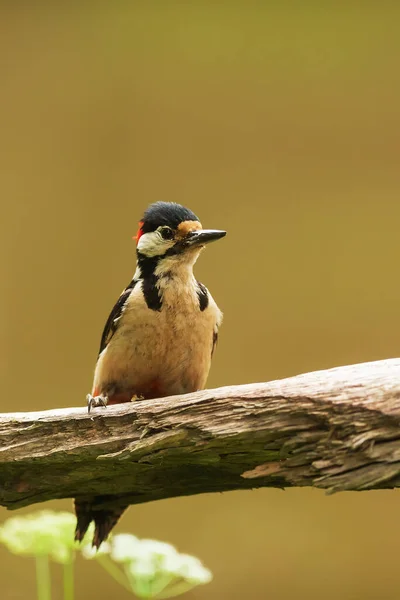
(279, 124)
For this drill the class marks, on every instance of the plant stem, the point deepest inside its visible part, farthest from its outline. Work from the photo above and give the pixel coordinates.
(43, 582)
(114, 571)
(69, 581)
(134, 585)
(175, 590)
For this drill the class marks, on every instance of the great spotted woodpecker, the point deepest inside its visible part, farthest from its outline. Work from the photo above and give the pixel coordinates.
(160, 336)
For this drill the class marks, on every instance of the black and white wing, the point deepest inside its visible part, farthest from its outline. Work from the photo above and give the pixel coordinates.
(111, 325)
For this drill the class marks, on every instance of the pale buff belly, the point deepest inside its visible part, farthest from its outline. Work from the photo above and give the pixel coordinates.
(158, 353)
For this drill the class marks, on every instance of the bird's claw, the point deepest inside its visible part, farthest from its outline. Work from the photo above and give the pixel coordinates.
(94, 401)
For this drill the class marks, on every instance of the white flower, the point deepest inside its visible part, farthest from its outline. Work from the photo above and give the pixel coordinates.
(188, 567)
(89, 551)
(155, 569)
(39, 534)
(125, 547)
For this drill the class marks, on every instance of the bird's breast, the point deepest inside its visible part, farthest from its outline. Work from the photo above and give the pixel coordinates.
(162, 352)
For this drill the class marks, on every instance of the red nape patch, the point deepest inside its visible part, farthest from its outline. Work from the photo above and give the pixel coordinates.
(139, 232)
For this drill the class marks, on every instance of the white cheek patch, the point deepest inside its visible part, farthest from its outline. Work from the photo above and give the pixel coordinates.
(152, 244)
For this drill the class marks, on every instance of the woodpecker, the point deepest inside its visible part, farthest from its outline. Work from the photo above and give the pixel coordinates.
(161, 334)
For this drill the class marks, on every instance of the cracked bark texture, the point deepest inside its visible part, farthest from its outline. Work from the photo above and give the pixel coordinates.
(336, 429)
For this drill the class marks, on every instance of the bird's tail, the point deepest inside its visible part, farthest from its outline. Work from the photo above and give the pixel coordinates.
(104, 520)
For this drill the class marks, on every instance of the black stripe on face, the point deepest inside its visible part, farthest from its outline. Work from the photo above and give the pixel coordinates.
(177, 248)
(202, 294)
(151, 293)
(147, 266)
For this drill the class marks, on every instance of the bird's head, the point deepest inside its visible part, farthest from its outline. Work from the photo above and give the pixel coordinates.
(171, 233)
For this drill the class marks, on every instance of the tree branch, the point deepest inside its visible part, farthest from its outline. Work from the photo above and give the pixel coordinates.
(336, 429)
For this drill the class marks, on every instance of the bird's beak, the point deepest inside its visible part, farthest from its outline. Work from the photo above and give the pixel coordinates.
(200, 237)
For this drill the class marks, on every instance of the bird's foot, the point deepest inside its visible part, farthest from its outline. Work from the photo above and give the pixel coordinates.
(94, 401)
(135, 398)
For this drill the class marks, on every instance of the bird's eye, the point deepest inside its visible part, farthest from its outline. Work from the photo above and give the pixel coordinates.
(167, 233)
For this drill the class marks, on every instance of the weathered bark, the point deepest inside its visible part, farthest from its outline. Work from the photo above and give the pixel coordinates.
(336, 429)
